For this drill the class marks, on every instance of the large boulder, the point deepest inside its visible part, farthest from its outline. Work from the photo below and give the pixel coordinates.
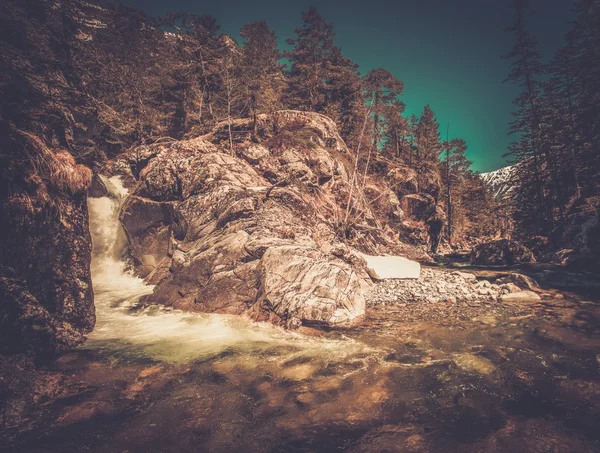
(250, 232)
(502, 252)
(46, 297)
(520, 280)
(148, 225)
(302, 283)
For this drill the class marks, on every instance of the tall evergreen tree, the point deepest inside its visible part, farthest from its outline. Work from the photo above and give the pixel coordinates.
(561, 106)
(586, 34)
(261, 71)
(396, 132)
(197, 54)
(534, 210)
(382, 91)
(321, 79)
(428, 146)
(455, 172)
(413, 122)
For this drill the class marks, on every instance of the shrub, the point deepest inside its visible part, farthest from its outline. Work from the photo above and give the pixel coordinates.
(293, 135)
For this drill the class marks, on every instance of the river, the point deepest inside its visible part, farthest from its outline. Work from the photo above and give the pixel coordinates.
(403, 379)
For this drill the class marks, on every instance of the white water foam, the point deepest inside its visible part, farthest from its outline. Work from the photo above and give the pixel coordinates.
(159, 333)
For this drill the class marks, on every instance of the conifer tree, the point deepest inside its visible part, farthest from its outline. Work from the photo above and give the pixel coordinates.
(563, 124)
(321, 78)
(456, 171)
(413, 122)
(428, 146)
(382, 91)
(397, 132)
(533, 206)
(261, 70)
(197, 54)
(586, 34)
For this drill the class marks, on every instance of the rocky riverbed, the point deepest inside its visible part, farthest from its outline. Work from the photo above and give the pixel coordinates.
(430, 375)
(436, 286)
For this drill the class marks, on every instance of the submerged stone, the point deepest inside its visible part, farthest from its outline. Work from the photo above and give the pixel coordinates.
(470, 362)
(520, 297)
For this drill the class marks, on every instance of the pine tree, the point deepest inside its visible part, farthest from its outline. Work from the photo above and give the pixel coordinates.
(563, 124)
(455, 172)
(428, 146)
(262, 72)
(232, 100)
(345, 102)
(196, 64)
(382, 91)
(534, 211)
(321, 78)
(586, 34)
(396, 132)
(312, 50)
(413, 122)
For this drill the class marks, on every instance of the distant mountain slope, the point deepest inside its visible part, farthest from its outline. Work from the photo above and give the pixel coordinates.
(500, 182)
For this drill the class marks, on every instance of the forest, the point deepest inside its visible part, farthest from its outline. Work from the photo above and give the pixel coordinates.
(143, 79)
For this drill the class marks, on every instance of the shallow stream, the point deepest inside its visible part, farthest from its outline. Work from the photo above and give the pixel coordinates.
(405, 378)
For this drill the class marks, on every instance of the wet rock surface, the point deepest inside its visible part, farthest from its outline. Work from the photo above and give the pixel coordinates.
(255, 231)
(415, 377)
(46, 296)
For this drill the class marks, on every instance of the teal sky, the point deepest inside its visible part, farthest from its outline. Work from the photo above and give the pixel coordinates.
(447, 52)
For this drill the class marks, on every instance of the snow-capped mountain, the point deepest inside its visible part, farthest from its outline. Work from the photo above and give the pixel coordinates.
(500, 182)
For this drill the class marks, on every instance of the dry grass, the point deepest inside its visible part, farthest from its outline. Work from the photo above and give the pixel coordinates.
(293, 135)
(57, 169)
(67, 175)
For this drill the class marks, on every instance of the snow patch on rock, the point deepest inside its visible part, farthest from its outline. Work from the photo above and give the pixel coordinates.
(391, 267)
(500, 182)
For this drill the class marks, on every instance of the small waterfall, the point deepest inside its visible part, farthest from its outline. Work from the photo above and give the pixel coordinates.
(123, 328)
(114, 285)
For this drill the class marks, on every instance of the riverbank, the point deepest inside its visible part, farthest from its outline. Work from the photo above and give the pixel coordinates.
(423, 377)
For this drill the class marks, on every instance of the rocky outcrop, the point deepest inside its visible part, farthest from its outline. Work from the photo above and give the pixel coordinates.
(502, 252)
(268, 230)
(46, 298)
(404, 179)
(578, 239)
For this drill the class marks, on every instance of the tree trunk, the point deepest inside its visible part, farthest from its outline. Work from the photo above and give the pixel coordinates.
(254, 120)
(448, 186)
(375, 122)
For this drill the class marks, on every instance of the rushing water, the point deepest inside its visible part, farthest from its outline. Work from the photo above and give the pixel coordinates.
(124, 328)
(414, 378)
